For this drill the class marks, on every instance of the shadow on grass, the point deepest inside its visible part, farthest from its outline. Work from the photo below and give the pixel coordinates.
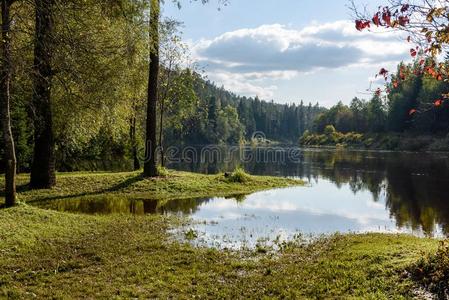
(120, 186)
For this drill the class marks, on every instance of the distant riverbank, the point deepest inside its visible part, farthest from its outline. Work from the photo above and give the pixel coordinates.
(387, 141)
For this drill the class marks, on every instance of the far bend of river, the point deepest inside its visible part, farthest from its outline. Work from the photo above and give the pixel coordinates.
(348, 191)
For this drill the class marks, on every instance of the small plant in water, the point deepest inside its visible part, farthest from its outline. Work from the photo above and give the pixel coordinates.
(191, 234)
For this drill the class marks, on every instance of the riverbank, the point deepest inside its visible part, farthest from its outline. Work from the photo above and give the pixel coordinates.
(49, 254)
(52, 254)
(388, 141)
(131, 185)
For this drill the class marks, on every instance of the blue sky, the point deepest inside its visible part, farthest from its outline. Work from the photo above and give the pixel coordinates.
(287, 50)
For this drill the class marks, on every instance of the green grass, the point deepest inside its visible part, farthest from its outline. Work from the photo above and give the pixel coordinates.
(60, 255)
(173, 185)
(49, 254)
(238, 176)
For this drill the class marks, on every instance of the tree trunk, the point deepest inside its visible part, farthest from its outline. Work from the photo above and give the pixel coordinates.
(161, 117)
(161, 123)
(150, 166)
(43, 168)
(132, 135)
(5, 100)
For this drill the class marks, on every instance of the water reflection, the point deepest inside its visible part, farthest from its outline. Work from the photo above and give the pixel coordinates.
(104, 205)
(411, 186)
(349, 191)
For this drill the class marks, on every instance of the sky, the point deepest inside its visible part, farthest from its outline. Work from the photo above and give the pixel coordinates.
(288, 50)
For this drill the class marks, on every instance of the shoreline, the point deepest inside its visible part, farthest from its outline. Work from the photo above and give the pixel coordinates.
(131, 185)
(378, 142)
(55, 254)
(45, 253)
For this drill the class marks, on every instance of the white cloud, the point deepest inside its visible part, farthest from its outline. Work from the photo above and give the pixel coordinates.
(243, 85)
(243, 59)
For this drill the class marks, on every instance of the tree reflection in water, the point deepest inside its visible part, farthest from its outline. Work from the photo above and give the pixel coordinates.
(413, 186)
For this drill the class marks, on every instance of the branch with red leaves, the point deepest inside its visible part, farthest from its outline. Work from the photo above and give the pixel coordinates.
(427, 23)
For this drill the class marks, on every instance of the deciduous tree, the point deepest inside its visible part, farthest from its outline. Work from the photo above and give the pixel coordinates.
(5, 102)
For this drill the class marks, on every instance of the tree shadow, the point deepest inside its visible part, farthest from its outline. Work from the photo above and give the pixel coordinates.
(120, 186)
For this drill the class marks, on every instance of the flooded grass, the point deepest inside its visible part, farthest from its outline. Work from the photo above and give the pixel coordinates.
(49, 254)
(52, 254)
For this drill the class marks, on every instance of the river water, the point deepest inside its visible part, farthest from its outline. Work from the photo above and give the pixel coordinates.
(346, 191)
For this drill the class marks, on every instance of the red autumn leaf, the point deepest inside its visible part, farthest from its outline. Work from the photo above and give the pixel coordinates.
(402, 73)
(386, 17)
(439, 77)
(438, 102)
(383, 72)
(376, 20)
(422, 61)
(362, 24)
(395, 84)
(413, 52)
(378, 92)
(412, 111)
(430, 71)
(403, 21)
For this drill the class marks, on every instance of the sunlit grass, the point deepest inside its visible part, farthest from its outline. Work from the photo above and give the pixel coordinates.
(173, 185)
(51, 254)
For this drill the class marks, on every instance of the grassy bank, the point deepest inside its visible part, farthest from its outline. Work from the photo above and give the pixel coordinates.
(46, 254)
(52, 254)
(175, 185)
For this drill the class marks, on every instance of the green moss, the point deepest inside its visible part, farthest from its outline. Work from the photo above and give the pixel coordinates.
(58, 255)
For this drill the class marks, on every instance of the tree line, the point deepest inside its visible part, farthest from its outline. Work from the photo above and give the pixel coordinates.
(106, 79)
(409, 106)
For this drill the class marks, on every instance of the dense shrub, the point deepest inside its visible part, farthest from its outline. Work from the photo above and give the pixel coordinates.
(432, 271)
(239, 175)
(332, 138)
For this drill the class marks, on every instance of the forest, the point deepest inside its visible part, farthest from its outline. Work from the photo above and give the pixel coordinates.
(98, 91)
(94, 94)
(408, 107)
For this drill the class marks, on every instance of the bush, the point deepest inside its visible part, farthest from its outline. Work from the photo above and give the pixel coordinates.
(305, 138)
(163, 172)
(329, 130)
(332, 137)
(432, 271)
(238, 176)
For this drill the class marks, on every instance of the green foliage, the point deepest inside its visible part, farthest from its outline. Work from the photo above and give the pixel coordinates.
(329, 130)
(432, 271)
(360, 116)
(162, 171)
(331, 137)
(238, 176)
